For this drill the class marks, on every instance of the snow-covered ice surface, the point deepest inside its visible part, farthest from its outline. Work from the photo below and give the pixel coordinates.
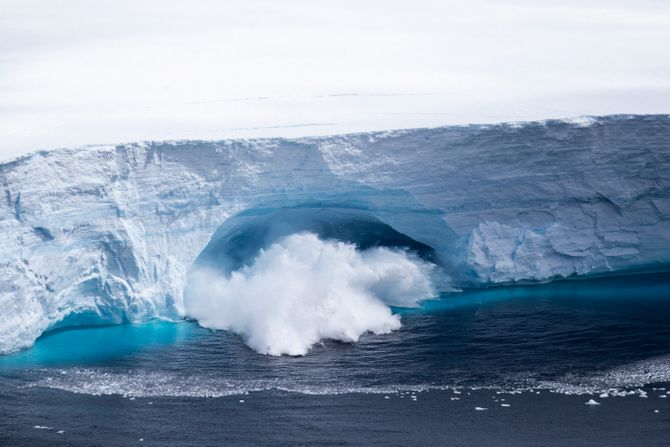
(109, 233)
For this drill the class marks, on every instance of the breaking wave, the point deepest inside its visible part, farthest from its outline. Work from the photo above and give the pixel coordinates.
(302, 290)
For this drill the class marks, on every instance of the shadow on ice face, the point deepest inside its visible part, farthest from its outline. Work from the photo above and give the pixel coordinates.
(238, 241)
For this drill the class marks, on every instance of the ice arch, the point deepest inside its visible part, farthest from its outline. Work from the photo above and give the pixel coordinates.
(238, 241)
(285, 279)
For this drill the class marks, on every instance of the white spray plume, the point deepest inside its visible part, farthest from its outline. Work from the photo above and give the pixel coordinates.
(302, 290)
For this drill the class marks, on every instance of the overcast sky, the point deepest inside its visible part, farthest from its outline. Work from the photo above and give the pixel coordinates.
(75, 72)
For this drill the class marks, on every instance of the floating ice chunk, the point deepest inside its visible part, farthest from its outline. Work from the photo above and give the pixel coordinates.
(241, 401)
(60, 432)
(592, 402)
(480, 408)
(386, 397)
(505, 405)
(604, 396)
(43, 427)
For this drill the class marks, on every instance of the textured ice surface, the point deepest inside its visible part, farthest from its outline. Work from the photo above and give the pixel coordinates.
(108, 233)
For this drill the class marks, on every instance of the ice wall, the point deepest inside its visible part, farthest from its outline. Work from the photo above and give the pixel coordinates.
(108, 233)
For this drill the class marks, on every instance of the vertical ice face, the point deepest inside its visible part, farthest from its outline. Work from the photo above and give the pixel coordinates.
(109, 233)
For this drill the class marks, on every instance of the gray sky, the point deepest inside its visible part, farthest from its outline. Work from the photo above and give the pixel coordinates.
(77, 72)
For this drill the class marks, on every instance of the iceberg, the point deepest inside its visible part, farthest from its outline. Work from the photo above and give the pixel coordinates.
(110, 233)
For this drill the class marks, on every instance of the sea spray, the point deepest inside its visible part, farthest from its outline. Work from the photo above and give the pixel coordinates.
(302, 290)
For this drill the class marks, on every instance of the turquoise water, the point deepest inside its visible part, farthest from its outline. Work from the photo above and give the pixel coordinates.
(594, 333)
(89, 345)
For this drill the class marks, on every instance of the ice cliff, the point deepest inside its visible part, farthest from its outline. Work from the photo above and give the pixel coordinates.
(109, 233)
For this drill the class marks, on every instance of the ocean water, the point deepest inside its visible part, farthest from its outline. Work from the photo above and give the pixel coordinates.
(586, 336)
(501, 366)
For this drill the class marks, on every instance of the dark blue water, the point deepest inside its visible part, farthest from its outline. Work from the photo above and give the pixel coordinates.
(573, 336)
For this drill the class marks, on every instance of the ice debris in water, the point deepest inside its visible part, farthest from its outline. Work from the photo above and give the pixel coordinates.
(592, 402)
